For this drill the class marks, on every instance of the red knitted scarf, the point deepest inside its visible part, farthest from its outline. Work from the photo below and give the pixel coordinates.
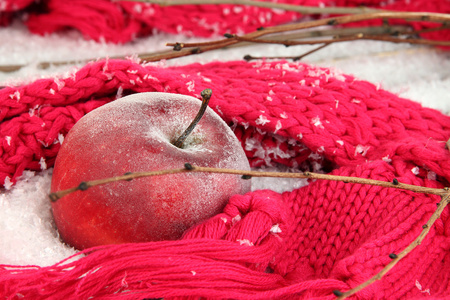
(301, 244)
(122, 21)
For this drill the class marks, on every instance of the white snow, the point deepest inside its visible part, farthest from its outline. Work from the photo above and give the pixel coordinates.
(275, 229)
(27, 233)
(360, 149)
(317, 122)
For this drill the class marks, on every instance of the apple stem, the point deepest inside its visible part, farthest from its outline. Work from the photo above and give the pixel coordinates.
(206, 95)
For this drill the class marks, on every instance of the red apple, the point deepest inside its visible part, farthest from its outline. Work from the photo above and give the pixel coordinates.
(136, 134)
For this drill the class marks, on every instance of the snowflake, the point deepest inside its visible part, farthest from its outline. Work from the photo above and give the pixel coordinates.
(190, 86)
(387, 159)
(419, 286)
(262, 120)
(415, 170)
(43, 164)
(361, 150)
(245, 242)
(275, 229)
(316, 122)
(8, 183)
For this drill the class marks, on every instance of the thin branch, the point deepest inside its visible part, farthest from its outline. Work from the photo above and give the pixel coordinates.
(248, 174)
(84, 185)
(294, 58)
(444, 193)
(186, 49)
(283, 32)
(253, 36)
(273, 5)
(445, 200)
(359, 36)
(158, 55)
(377, 33)
(339, 31)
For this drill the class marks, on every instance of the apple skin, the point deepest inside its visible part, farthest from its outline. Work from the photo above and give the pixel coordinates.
(134, 134)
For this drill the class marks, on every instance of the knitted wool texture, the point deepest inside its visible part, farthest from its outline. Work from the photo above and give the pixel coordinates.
(122, 21)
(306, 243)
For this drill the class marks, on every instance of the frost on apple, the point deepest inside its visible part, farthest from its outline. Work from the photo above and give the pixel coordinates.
(135, 134)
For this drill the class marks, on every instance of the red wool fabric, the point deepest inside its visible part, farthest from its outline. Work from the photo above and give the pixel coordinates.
(301, 244)
(123, 21)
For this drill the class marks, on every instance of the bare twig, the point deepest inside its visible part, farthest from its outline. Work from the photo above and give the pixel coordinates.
(287, 34)
(444, 193)
(445, 200)
(265, 4)
(158, 55)
(355, 37)
(248, 174)
(294, 58)
(256, 35)
(129, 176)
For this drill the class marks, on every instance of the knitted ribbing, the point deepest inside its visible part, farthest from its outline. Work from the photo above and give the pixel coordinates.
(305, 243)
(346, 120)
(122, 21)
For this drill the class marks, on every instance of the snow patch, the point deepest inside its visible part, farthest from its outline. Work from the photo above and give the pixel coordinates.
(275, 229)
(262, 120)
(43, 164)
(245, 242)
(317, 122)
(8, 183)
(360, 149)
(387, 159)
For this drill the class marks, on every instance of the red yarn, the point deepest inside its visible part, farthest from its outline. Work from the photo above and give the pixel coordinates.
(122, 21)
(265, 245)
(7, 9)
(436, 6)
(10, 6)
(98, 20)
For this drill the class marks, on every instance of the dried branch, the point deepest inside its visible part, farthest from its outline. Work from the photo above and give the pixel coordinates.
(444, 193)
(247, 175)
(256, 35)
(445, 200)
(294, 58)
(359, 36)
(155, 56)
(289, 35)
(307, 10)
